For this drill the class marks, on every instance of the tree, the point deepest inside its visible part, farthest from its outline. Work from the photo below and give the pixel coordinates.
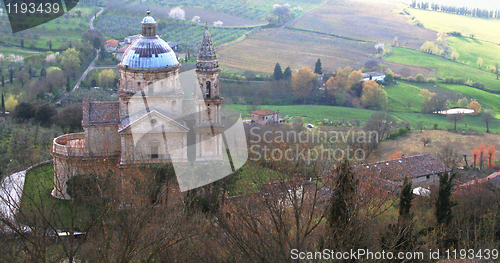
(49, 43)
(24, 111)
(43, 72)
(317, 67)
(496, 69)
(448, 156)
(287, 74)
(455, 118)
(491, 156)
(2, 107)
(177, 13)
(11, 75)
(10, 104)
(435, 104)
(22, 42)
(396, 155)
(106, 77)
(342, 211)
(278, 74)
(487, 117)
(463, 102)
(426, 95)
(70, 118)
(479, 62)
(281, 11)
(444, 205)
(380, 122)
(22, 76)
(303, 82)
(94, 37)
(70, 61)
(389, 78)
(44, 114)
(454, 55)
(399, 236)
(429, 47)
(373, 96)
(426, 140)
(474, 105)
(3, 82)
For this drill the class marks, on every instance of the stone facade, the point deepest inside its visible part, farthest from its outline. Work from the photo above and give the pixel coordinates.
(152, 122)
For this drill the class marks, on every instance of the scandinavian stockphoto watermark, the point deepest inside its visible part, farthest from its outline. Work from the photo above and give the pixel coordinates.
(172, 120)
(321, 145)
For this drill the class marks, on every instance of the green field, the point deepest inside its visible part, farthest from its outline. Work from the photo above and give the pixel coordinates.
(37, 199)
(486, 29)
(316, 113)
(445, 67)
(472, 49)
(61, 31)
(398, 96)
(486, 99)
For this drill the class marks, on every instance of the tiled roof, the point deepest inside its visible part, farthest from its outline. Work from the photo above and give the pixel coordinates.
(100, 113)
(264, 112)
(111, 43)
(412, 167)
(493, 178)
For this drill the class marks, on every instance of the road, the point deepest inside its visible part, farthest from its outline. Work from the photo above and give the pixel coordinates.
(11, 191)
(92, 65)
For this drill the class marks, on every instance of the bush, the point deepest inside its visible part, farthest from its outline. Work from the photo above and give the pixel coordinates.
(24, 111)
(420, 78)
(45, 113)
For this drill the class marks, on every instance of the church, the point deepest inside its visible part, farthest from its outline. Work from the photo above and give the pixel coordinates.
(161, 115)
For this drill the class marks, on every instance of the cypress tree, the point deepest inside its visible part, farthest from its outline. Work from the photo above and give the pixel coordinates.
(443, 200)
(2, 109)
(317, 68)
(342, 206)
(287, 75)
(3, 82)
(278, 73)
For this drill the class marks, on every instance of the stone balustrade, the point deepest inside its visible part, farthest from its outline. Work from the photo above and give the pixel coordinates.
(70, 145)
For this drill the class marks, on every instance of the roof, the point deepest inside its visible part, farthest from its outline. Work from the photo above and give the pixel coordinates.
(264, 112)
(148, 19)
(111, 43)
(493, 178)
(122, 49)
(207, 59)
(412, 167)
(146, 53)
(131, 120)
(100, 113)
(172, 44)
(373, 74)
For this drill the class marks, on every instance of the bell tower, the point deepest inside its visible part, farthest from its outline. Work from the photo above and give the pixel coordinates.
(208, 126)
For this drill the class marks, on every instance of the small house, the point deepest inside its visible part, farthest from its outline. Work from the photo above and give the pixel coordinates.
(265, 116)
(111, 45)
(377, 76)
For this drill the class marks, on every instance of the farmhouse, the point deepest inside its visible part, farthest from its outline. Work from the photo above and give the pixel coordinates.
(266, 116)
(483, 183)
(111, 45)
(154, 119)
(421, 169)
(377, 76)
(119, 52)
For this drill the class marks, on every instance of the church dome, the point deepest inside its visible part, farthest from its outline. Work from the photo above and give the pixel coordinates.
(149, 51)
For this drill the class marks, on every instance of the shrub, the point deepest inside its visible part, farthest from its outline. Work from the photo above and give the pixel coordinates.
(420, 78)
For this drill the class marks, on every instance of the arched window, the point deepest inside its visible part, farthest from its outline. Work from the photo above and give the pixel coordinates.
(174, 103)
(208, 90)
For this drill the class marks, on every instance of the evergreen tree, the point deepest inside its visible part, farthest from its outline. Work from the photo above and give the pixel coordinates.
(278, 73)
(317, 68)
(67, 85)
(399, 236)
(341, 217)
(443, 200)
(22, 42)
(287, 75)
(3, 82)
(2, 109)
(43, 72)
(11, 75)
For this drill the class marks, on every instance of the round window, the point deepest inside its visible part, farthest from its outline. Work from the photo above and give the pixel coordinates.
(153, 121)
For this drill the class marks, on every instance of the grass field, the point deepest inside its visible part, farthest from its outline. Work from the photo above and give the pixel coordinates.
(445, 67)
(472, 49)
(260, 51)
(60, 31)
(316, 113)
(485, 29)
(37, 199)
(366, 21)
(398, 96)
(411, 144)
(486, 99)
